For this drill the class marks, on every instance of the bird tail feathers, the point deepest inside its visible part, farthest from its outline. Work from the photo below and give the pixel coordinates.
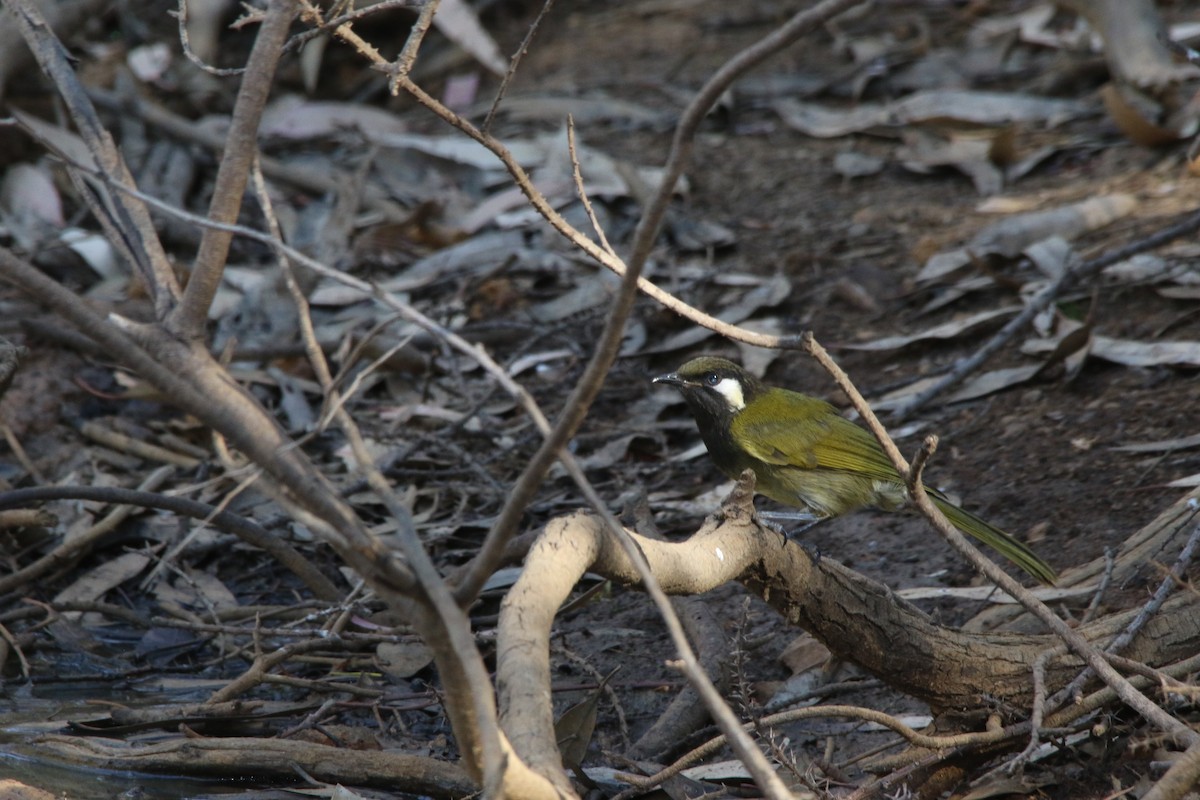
(1003, 543)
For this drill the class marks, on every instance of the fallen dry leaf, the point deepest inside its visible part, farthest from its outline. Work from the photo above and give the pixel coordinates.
(1161, 446)
(98, 581)
(1134, 354)
(947, 330)
(459, 22)
(980, 108)
(1012, 235)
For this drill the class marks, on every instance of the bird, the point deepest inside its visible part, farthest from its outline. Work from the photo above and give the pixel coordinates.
(806, 455)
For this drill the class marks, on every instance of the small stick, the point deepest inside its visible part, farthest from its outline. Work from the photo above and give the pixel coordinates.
(127, 444)
(513, 63)
(1150, 609)
(577, 174)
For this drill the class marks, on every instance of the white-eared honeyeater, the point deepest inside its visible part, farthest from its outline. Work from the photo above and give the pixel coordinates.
(805, 454)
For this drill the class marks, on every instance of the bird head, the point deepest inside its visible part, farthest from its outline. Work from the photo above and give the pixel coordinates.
(714, 387)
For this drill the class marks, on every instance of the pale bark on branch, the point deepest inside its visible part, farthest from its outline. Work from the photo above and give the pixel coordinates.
(857, 618)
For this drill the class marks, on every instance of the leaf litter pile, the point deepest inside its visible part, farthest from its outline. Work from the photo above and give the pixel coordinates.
(905, 183)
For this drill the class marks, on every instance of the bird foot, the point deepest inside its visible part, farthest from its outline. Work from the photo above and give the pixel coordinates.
(776, 520)
(806, 520)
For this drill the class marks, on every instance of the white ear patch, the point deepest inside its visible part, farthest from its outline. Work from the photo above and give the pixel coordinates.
(731, 390)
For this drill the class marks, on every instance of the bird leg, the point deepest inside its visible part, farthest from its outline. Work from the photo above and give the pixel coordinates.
(776, 520)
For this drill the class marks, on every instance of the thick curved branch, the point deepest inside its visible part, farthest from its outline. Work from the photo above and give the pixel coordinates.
(858, 619)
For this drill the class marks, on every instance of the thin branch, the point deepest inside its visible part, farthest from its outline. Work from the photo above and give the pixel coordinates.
(646, 233)
(1110, 565)
(515, 62)
(75, 545)
(588, 385)
(1037, 715)
(608, 345)
(136, 233)
(198, 385)
(408, 56)
(913, 737)
(559, 223)
(12, 642)
(325, 180)
(181, 15)
(444, 625)
(577, 176)
(1105, 696)
(928, 448)
(188, 320)
(388, 299)
(322, 26)
(1175, 574)
(1148, 610)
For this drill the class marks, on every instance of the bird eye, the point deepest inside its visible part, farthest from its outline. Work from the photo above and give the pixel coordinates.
(712, 379)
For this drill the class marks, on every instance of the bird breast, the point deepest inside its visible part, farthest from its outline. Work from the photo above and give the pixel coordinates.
(829, 493)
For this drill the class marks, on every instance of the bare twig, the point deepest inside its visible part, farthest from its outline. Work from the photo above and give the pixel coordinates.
(443, 624)
(193, 381)
(408, 56)
(589, 383)
(77, 544)
(188, 320)
(322, 26)
(1147, 611)
(123, 443)
(928, 448)
(1038, 713)
(133, 229)
(27, 518)
(1175, 574)
(515, 62)
(10, 641)
(325, 180)
(800, 24)
(743, 745)
(181, 14)
(646, 233)
(913, 737)
(19, 453)
(184, 370)
(263, 663)
(577, 175)
(1106, 696)
(1110, 563)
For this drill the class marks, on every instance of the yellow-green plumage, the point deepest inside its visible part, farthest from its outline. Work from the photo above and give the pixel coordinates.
(805, 454)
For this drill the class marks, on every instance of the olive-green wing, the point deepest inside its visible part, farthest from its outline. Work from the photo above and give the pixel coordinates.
(808, 433)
